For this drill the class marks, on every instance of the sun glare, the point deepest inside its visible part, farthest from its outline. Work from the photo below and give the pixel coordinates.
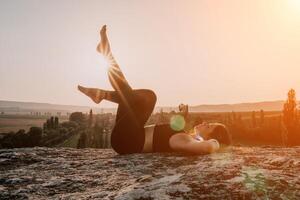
(102, 62)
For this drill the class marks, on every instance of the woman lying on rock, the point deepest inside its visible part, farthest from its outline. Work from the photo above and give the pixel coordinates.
(135, 106)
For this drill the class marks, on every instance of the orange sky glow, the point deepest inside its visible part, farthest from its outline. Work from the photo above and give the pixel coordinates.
(194, 51)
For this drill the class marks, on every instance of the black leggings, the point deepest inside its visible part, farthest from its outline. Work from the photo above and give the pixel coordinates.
(134, 109)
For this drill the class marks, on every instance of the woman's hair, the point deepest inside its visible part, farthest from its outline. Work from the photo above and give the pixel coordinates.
(221, 134)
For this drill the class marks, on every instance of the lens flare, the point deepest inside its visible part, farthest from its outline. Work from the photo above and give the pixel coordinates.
(177, 122)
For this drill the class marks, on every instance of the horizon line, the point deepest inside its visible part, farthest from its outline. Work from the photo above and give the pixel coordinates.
(205, 104)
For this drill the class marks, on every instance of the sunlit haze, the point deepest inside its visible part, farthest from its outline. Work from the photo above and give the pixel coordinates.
(193, 52)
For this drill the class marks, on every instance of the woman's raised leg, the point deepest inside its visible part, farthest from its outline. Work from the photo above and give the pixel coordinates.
(115, 75)
(134, 106)
(117, 79)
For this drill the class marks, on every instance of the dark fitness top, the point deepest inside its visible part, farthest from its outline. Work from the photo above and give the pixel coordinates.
(161, 135)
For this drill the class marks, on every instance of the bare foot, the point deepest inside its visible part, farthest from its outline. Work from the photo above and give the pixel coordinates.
(103, 46)
(103, 31)
(95, 94)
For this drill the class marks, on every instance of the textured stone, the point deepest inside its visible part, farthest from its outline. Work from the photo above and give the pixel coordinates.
(65, 173)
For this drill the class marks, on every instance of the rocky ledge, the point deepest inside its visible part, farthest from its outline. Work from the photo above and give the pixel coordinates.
(65, 173)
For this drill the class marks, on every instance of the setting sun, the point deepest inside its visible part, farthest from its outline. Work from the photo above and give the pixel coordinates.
(103, 63)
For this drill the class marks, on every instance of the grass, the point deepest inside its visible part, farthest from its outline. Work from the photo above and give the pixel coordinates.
(70, 142)
(16, 122)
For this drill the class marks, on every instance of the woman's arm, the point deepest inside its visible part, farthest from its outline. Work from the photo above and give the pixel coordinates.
(185, 143)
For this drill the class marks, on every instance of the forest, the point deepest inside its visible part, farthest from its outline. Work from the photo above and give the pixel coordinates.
(254, 128)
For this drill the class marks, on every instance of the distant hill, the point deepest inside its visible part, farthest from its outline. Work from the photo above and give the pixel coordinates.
(15, 107)
(240, 107)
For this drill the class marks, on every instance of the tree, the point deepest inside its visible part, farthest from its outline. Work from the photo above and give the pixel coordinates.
(22, 139)
(262, 117)
(98, 131)
(184, 111)
(289, 109)
(229, 119)
(253, 119)
(34, 136)
(162, 118)
(183, 108)
(290, 116)
(52, 122)
(77, 117)
(91, 118)
(239, 119)
(56, 122)
(82, 140)
(69, 125)
(172, 112)
(45, 126)
(233, 117)
(48, 124)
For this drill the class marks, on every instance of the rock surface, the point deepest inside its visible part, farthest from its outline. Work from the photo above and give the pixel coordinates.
(65, 173)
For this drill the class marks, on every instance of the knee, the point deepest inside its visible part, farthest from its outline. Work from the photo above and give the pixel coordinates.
(151, 96)
(145, 97)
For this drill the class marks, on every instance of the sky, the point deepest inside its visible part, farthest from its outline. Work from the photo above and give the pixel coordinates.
(188, 51)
